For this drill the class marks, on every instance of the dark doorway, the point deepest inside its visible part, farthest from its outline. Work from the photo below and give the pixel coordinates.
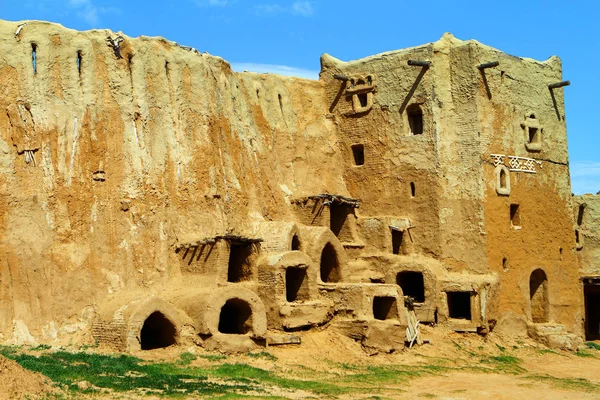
(240, 262)
(330, 268)
(358, 151)
(296, 284)
(591, 293)
(295, 243)
(412, 285)
(397, 237)
(236, 317)
(385, 308)
(459, 305)
(538, 295)
(157, 332)
(338, 215)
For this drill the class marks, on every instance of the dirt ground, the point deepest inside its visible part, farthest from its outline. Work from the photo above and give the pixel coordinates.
(451, 366)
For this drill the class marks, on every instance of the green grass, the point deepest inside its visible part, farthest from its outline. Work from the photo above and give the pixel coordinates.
(233, 380)
(567, 383)
(592, 345)
(121, 373)
(583, 353)
(263, 354)
(503, 364)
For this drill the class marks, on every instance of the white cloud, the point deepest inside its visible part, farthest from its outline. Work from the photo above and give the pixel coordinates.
(276, 69)
(85, 10)
(301, 8)
(585, 177)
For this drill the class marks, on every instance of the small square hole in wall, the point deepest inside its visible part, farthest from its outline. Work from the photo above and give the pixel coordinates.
(385, 308)
(515, 216)
(459, 305)
(358, 151)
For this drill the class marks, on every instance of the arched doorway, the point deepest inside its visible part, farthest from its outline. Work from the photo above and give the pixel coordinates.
(235, 317)
(157, 332)
(538, 296)
(330, 266)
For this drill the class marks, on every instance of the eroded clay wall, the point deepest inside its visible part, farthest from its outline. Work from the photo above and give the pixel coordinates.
(587, 225)
(514, 102)
(398, 178)
(108, 163)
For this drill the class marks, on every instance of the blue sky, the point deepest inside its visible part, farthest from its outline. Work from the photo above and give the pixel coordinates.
(289, 36)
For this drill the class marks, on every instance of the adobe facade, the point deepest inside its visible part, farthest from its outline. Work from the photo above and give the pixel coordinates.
(151, 196)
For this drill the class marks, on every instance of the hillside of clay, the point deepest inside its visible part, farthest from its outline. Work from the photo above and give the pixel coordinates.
(108, 159)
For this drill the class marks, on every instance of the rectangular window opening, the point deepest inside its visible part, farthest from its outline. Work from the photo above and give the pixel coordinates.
(397, 241)
(459, 305)
(362, 98)
(338, 214)
(358, 151)
(296, 284)
(534, 135)
(240, 262)
(384, 308)
(591, 293)
(415, 119)
(515, 215)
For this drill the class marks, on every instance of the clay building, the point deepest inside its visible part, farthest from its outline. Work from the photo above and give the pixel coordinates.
(151, 196)
(587, 239)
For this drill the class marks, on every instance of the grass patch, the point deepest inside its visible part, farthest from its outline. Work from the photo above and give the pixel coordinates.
(213, 357)
(186, 358)
(592, 345)
(504, 363)
(263, 354)
(583, 353)
(41, 347)
(567, 383)
(121, 373)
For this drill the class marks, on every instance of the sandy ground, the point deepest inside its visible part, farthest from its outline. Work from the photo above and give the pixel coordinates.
(539, 374)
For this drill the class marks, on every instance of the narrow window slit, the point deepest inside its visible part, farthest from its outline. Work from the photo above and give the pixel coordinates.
(413, 189)
(280, 103)
(79, 57)
(515, 215)
(34, 57)
(580, 214)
